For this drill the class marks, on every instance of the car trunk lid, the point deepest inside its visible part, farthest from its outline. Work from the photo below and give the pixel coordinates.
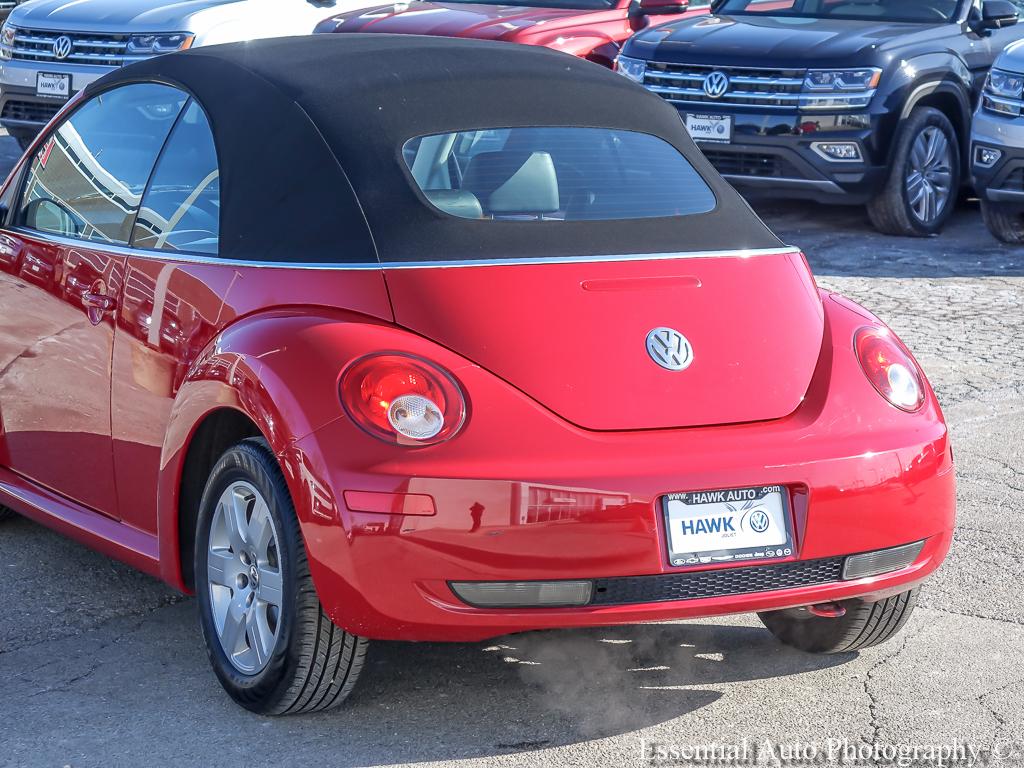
(573, 334)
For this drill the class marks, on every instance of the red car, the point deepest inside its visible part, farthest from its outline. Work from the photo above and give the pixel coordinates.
(443, 366)
(591, 29)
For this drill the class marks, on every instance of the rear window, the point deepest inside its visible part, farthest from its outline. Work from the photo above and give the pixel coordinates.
(555, 174)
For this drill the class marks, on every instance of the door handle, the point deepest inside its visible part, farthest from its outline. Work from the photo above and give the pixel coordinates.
(99, 301)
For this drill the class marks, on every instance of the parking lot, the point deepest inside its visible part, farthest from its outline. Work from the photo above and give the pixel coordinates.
(101, 666)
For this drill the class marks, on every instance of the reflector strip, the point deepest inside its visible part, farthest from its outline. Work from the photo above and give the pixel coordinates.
(881, 561)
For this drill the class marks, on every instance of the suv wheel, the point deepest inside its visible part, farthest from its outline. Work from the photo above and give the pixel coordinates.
(271, 645)
(924, 178)
(1004, 221)
(863, 625)
(5, 513)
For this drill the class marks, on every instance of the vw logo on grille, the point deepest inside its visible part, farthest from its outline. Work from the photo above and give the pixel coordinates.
(62, 47)
(669, 349)
(716, 84)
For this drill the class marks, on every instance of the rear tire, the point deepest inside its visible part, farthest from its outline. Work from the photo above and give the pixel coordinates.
(271, 644)
(925, 167)
(865, 624)
(1004, 221)
(6, 513)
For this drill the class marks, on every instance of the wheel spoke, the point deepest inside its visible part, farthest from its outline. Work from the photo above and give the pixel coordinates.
(257, 630)
(271, 586)
(929, 204)
(234, 625)
(915, 190)
(260, 530)
(235, 522)
(918, 153)
(222, 567)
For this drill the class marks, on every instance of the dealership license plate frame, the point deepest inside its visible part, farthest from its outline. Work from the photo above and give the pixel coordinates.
(63, 93)
(732, 555)
(690, 119)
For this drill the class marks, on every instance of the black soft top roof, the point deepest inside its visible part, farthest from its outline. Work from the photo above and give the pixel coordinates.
(309, 132)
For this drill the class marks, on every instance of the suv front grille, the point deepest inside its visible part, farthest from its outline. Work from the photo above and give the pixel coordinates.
(29, 111)
(1014, 182)
(749, 164)
(109, 50)
(718, 583)
(762, 88)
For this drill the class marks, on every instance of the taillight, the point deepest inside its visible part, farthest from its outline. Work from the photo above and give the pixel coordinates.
(889, 368)
(403, 399)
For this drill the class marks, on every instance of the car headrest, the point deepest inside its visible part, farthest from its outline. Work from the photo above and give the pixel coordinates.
(513, 182)
(456, 202)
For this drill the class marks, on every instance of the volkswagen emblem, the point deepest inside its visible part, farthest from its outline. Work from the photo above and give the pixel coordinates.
(716, 84)
(62, 48)
(759, 521)
(669, 349)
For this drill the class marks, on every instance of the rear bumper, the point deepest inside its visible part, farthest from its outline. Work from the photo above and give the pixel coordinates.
(521, 495)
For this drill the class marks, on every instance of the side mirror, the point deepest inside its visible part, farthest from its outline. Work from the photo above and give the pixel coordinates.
(661, 7)
(52, 216)
(997, 14)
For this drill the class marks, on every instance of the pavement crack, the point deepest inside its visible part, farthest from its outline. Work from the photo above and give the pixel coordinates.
(66, 684)
(1002, 619)
(165, 603)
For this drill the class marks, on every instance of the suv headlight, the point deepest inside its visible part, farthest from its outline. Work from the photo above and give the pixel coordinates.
(1003, 92)
(7, 34)
(840, 88)
(154, 45)
(634, 69)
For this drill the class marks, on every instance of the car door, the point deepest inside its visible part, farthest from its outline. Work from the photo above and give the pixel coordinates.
(69, 225)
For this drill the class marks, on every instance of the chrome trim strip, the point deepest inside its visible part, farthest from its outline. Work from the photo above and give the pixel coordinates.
(1005, 195)
(738, 253)
(767, 181)
(180, 258)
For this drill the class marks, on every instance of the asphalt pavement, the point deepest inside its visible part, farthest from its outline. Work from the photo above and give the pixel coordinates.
(101, 666)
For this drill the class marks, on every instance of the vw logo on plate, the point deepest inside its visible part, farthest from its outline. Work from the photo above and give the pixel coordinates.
(759, 521)
(716, 84)
(62, 47)
(669, 349)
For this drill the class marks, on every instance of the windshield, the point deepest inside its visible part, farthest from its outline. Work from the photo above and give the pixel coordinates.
(920, 11)
(573, 5)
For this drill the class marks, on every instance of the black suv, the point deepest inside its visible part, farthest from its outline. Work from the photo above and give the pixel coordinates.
(845, 101)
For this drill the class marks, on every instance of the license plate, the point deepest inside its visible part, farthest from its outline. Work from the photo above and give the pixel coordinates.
(716, 129)
(738, 524)
(53, 85)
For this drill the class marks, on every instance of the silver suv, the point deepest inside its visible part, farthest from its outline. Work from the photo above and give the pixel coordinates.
(997, 147)
(51, 49)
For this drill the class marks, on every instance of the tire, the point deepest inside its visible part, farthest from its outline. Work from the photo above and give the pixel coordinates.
(287, 658)
(896, 210)
(5, 513)
(865, 624)
(1005, 222)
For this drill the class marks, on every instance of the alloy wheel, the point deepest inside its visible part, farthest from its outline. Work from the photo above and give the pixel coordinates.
(245, 579)
(929, 178)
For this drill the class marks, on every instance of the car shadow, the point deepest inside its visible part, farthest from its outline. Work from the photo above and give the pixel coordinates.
(539, 690)
(840, 241)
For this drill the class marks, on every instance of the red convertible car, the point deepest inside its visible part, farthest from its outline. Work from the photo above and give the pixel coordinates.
(591, 29)
(442, 366)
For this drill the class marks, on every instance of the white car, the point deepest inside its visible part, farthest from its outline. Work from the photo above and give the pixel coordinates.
(51, 49)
